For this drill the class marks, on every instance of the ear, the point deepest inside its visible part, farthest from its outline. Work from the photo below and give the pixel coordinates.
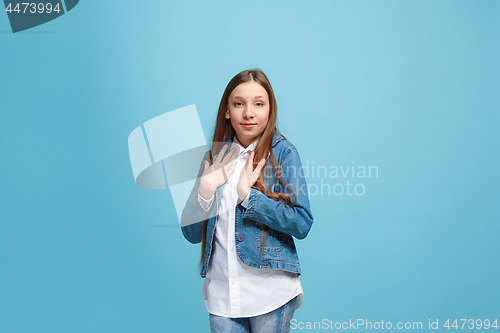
(228, 116)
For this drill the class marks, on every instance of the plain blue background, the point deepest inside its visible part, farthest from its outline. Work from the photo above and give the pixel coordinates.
(408, 86)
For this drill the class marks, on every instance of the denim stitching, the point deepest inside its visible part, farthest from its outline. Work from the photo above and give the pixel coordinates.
(258, 233)
(271, 250)
(256, 219)
(281, 262)
(250, 264)
(255, 204)
(289, 152)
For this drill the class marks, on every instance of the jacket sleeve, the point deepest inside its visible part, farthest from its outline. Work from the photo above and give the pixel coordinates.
(296, 220)
(193, 215)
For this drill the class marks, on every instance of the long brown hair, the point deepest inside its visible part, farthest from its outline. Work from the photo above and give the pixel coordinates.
(224, 130)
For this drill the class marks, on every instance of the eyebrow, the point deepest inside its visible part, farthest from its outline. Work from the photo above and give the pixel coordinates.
(254, 97)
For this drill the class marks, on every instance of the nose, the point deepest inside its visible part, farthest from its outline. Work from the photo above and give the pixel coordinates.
(248, 112)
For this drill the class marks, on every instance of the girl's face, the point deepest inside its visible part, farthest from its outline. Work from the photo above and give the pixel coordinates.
(248, 109)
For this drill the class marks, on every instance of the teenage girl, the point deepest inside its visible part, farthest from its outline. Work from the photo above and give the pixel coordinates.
(248, 201)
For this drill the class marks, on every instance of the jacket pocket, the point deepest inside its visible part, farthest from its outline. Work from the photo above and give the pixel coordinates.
(273, 242)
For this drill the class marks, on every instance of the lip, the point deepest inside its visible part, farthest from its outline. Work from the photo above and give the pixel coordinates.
(250, 125)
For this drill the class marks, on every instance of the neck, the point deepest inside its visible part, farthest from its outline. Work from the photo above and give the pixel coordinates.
(244, 144)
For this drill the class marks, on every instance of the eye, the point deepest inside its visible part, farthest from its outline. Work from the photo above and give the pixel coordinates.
(259, 104)
(238, 104)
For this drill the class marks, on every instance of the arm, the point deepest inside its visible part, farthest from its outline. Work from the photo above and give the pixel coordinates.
(194, 213)
(210, 177)
(296, 220)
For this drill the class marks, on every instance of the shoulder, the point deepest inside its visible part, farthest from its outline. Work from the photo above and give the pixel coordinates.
(282, 147)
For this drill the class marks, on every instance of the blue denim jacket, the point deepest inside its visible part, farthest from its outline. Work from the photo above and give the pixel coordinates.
(282, 221)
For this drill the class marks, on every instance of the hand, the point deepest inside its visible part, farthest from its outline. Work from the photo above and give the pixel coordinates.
(216, 174)
(249, 176)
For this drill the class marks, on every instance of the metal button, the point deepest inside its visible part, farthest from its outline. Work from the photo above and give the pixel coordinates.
(240, 238)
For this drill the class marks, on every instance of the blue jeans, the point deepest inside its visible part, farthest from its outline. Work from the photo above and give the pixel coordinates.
(276, 321)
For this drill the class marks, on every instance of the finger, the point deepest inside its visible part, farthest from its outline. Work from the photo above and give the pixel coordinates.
(233, 162)
(224, 174)
(205, 165)
(221, 153)
(259, 167)
(231, 170)
(249, 164)
(231, 156)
